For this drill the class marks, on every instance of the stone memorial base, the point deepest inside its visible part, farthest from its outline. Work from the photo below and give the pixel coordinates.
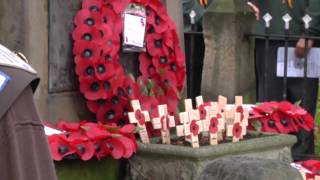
(163, 162)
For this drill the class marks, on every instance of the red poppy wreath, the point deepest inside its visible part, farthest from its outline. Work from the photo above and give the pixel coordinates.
(103, 81)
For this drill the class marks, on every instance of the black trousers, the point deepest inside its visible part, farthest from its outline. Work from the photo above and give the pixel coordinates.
(271, 88)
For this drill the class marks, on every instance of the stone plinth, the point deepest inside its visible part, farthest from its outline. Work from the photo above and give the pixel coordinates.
(228, 67)
(163, 162)
(248, 168)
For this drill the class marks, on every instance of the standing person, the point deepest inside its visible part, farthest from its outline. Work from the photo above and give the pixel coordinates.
(269, 86)
(314, 11)
(24, 153)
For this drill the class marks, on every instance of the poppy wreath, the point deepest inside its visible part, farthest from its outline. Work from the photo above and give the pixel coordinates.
(280, 117)
(86, 140)
(103, 81)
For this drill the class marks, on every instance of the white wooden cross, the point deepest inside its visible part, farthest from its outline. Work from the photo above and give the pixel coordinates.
(213, 122)
(164, 122)
(204, 111)
(234, 128)
(244, 114)
(222, 102)
(190, 127)
(191, 112)
(139, 117)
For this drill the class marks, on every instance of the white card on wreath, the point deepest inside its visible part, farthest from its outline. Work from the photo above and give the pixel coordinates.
(134, 30)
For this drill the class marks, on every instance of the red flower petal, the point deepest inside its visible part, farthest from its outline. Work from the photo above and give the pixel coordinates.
(155, 45)
(93, 89)
(214, 125)
(129, 146)
(86, 33)
(203, 112)
(237, 130)
(116, 148)
(194, 128)
(90, 18)
(87, 50)
(92, 5)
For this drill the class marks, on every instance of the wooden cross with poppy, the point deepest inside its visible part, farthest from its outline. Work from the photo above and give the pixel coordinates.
(139, 117)
(244, 114)
(204, 110)
(212, 120)
(190, 127)
(234, 128)
(222, 103)
(164, 122)
(193, 112)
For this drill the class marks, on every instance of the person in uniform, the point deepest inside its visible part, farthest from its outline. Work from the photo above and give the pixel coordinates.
(271, 88)
(24, 153)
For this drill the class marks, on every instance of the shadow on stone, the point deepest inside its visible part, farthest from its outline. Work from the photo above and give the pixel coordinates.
(248, 168)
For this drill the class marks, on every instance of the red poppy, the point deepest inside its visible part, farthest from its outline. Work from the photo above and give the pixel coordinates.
(84, 67)
(95, 131)
(113, 20)
(127, 129)
(87, 33)
(202, 111)
(165, 122)
(84, 149)
(169, 78)
(105, 32)
(94, 89)
(237, 130)
(156, 45)
(87, 50)
(87, 17)
(268, 125)
(239, 109)
(129, 146)
(106, 70)
(93, 106)
(142, 2)
(194, 128)
(101, 150)
(214, 125)
(110, 113)
(150, 17)
(116, 148)
(162, 61)
(131, 88)
(68, 126)
(92, 5)
(59, 146)
(146, 68)
(140, 117)
(119, 5)
(111, 46)
(160, 22)
(311, 165)
(172, 106)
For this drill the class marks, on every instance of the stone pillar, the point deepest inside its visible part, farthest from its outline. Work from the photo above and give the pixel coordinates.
(176, 13)
(228, 67)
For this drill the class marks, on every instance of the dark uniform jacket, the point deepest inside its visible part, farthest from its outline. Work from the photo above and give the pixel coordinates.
(24, 152)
